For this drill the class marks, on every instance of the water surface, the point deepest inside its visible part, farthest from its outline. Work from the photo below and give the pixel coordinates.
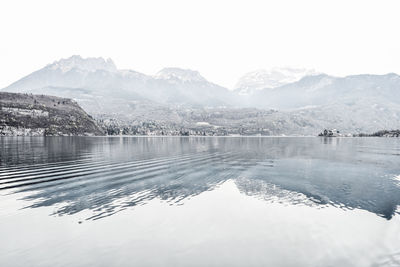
(199, 201)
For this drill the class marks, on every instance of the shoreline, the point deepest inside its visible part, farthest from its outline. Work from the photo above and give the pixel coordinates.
(197, 136)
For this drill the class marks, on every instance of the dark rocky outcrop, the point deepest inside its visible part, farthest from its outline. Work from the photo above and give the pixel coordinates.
(27, 114)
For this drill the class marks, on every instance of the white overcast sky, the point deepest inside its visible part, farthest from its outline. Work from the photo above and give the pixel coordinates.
(221, 39)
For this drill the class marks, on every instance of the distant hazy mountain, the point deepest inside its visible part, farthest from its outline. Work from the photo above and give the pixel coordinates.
(276, 77)
(304, 102)
(321, 90)
(358, 103)
(187, 88)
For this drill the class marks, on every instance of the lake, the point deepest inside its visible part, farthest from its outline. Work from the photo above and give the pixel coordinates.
(199, 201)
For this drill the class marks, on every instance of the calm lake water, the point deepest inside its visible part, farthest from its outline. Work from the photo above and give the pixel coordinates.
(194, 201)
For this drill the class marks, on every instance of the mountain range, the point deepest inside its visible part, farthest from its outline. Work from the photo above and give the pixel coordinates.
(279, 101)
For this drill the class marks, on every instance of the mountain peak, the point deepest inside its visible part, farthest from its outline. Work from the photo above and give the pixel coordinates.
(90, 64)
(275, 77)
(175, 74)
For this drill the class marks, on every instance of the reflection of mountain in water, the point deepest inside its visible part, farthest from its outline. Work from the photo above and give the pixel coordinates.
(107, 175)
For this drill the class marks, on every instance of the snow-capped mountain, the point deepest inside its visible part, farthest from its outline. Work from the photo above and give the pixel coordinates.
(97, 84)
(88, 64)
(77, 72)
(179, 75)
(275, 77)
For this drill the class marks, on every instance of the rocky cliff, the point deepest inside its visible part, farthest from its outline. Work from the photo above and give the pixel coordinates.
(27, 114)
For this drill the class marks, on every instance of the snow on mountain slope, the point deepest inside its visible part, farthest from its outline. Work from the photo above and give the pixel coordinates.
(100, 79)
(275, 77)
(182, 75)
(77, 72)
(88, 64)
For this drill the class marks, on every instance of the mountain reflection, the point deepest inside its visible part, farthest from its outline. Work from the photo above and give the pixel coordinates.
(108, 175)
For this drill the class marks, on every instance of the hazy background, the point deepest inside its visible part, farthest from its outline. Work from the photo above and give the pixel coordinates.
(221, 39)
